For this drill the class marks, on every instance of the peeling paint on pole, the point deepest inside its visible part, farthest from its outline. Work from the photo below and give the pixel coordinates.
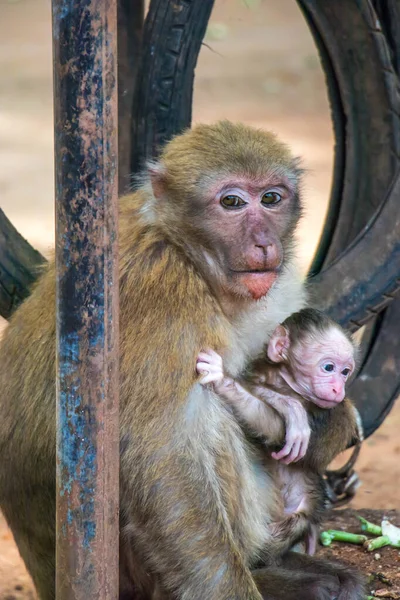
(84, 36)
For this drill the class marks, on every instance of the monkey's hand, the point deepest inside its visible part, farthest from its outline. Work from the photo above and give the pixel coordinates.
(296, 423)
(297, 432)
(209, 365)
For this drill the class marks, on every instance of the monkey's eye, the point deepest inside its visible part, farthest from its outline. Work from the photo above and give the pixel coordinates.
(271, 198)
(346, 372)
(232, 202)
(329, 367)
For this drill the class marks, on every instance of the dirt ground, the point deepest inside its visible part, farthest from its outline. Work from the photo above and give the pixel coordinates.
(259, 65)
(382, 567)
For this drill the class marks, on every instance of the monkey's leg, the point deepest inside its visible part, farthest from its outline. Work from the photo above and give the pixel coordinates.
(185, 539)
(132, 588)
(289, 531)
(352, 584)
(195, 560)
(32, 522)
(278, 583)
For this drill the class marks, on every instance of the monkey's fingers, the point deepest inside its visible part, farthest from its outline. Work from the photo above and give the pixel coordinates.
(204, 356)
(284, 452)
(209, 378)
(211, 357)
(294, 453)
(289, 452)
(214, 354)
(211, 373)
(302, 449)
(206, 367)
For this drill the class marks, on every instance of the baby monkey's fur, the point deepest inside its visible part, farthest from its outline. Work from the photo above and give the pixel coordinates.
(299, 485)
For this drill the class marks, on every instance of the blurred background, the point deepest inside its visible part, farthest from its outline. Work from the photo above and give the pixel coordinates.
(259, 65)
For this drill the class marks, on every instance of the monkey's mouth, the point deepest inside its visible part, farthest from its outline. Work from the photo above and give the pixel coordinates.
(257, 282)
(322, 403)
(256, 271)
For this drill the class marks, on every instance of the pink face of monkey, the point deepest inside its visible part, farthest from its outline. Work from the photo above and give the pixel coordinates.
(319, 366)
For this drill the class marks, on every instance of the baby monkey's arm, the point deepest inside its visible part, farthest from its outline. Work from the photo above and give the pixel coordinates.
(261, 418)
(263, 412)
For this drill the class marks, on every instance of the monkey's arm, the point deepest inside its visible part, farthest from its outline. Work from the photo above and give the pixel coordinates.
(332, 431)
(261, 409)
(260, 417)
(278, 417)
(282, 420)
(296, 422)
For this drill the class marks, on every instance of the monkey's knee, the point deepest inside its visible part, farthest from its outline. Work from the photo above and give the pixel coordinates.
(352, 584)
(275, 583)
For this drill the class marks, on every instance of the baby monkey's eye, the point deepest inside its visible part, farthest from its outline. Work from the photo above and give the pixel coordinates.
(271, 198)
(346, 372)
(329, 367)
(231, 202)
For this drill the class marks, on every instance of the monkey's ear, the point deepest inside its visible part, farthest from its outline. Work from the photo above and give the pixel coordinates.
(157, 175)
(278, 345)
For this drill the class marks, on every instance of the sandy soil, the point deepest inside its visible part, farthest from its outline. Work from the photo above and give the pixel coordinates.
(259, 66)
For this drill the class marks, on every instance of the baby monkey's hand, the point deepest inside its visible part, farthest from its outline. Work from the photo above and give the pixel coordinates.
(296, 422)
(209, 365)
(297, 432)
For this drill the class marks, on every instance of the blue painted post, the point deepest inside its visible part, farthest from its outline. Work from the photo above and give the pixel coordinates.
(85, 89)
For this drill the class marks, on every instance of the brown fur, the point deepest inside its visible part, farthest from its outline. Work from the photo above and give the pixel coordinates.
(332, 431)
(194, 495)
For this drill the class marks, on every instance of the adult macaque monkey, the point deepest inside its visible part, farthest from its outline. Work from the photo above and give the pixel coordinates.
(206, 261)
(309, 359)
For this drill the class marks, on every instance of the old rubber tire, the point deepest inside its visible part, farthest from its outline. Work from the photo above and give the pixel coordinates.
(363, 91)
(358, 60)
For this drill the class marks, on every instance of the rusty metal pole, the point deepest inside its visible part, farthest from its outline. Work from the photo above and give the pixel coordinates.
(85, 90)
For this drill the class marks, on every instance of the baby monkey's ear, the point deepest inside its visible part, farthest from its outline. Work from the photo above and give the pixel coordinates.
(278, 345)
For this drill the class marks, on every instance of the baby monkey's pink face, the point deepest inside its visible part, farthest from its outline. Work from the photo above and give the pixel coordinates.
(322, 367)
(316, 367)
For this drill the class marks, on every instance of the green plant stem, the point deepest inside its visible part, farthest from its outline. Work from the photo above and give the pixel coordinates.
(332, 535)
(377, 543)
(380, 542)
(369, 527)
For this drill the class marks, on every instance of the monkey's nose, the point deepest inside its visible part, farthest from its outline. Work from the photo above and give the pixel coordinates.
(269, 253)
(338, 394)
(263, 247)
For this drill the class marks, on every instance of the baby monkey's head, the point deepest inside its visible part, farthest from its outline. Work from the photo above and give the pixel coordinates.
(316, 354)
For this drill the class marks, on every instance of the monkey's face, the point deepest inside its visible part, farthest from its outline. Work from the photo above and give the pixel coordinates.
(232, 199)
(247, 227)
(322, 367)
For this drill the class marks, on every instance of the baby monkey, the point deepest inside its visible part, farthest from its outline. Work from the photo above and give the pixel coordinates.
(298, 389)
